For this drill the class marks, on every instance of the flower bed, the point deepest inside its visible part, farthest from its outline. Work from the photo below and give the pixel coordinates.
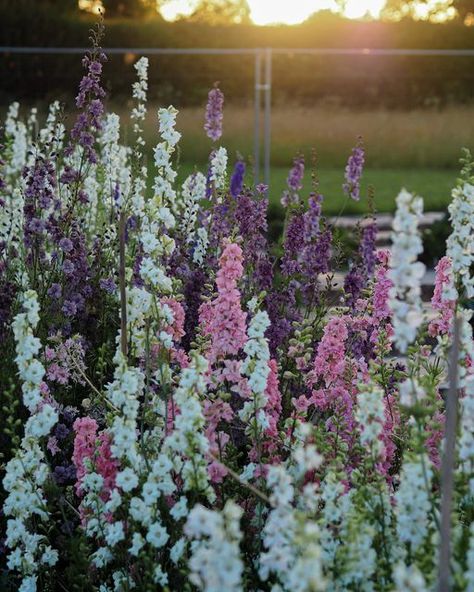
(189, 407)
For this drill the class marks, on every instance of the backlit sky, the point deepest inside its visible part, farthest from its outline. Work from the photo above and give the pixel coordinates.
(289, 12)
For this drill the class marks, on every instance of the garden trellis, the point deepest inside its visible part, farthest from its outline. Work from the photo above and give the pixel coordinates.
(263, 60)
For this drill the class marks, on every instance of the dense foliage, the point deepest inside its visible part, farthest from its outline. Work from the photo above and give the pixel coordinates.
(186, 407)
(394, 82)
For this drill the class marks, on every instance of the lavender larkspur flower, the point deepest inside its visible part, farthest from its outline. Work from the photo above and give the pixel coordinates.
(214, 113)
(237, 180)
(367, 246)
(354, 170)
(108, 285)
(294, 182)
(89, 99)
(312, 217)
(294, 240)
(353, 284)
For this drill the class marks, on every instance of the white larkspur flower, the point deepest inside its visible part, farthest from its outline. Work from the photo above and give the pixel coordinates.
(411, 392)
(127, 480)
(192, 192)
(408, 579)
(370, 414)
(413, 503)
(460, 244)
(406, 272)
(27, 471)
(114, 533)
(157, 535)
(215, 536)
(218, 168)
(201, 246)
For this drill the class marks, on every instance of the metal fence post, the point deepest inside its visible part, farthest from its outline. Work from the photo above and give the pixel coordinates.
(257, 107)
(268, 113)
(448, 464)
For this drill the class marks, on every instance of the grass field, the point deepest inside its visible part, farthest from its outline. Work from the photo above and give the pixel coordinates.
(425, 138)
(419, 149)
(434, 185)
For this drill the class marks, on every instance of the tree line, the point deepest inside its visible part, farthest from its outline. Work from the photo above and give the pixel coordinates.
(238, 11)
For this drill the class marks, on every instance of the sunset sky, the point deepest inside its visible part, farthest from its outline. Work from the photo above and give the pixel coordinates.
(292, 12)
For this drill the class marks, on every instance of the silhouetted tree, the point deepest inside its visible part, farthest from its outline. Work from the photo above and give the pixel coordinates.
(221, 12)
(129, 8)
(464, 8)
(397, 9)
(59, 6)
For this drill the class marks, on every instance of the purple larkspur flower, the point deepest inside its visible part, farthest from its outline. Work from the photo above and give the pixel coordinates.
(69, 175)
(40, 187)
(354, 170)
(82, 196)
(36, 225)
(354, 282)
(237, 180)
(367, 246)
(89, 99)
(61, 431)
(312, 217)
(214, 113)
(220, 226)
(264, 273)
(251, 215)
(194, 287)
(323, 252)
(68, 267)
(64, 474)
(55, 291)
(58, 374)
(65, 244)
(95, 68)
(294, 240)
(69, 308)
(69, 414)
(295, 177)
(294, 182)
(283, 312)
(108, 285)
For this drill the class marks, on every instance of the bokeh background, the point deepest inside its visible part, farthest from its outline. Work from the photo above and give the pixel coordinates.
(414, 112)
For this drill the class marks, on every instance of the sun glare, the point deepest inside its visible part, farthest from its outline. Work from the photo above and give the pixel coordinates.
(267, 12)
(173, 9)
(360, 8)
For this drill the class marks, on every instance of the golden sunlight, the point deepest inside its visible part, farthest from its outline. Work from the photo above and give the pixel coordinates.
(266, 12)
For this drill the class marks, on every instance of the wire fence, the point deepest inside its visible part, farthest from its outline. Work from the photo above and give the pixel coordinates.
(263, 60)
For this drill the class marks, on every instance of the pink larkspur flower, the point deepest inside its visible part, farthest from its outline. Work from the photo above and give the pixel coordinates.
(330, 363)
(176, 329)
(442, 304)
(223, 319)
(88, 444)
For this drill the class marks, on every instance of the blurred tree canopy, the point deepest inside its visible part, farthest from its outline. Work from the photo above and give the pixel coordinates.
(464, 8)
(129, 8)
(58, 6)
(221, 12)
(428, 9)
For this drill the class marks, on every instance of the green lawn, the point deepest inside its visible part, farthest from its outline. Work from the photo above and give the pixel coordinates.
(434, 185)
